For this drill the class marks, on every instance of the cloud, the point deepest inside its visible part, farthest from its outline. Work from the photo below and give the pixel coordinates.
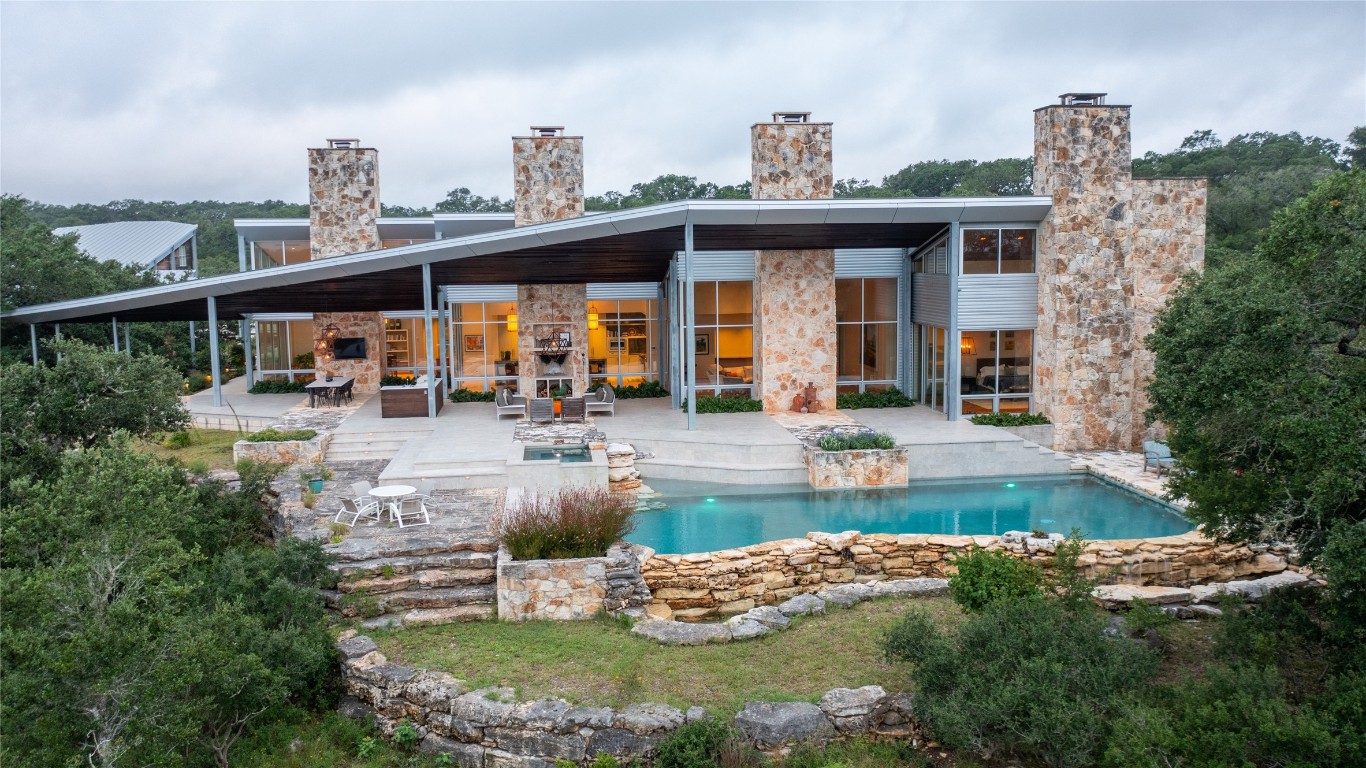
(102, 101)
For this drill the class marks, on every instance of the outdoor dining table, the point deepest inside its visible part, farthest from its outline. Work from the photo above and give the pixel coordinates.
(388, 496)
(325, 389)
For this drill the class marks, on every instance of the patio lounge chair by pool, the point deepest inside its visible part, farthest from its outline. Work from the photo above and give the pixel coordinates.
(602, 401)
(572, 409)
(1158, 456)
(542, 410)
(505, 402)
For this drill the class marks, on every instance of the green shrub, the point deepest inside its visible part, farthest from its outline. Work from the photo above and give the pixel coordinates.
(360, 603)
(1144, 614)
(1234, 716)
(1025, 680)
(178, 440)
(859, 441)
(571, 522)
(406, 736)
(727, 404)
(462, 395)
(1010, 419)
(704, 744)
(1343, 564)
(272, 435)
(635, 391)
(277, 387)
(857, 752)
(887, 398)
(1065, 578)
(397, 381)
(986, 577)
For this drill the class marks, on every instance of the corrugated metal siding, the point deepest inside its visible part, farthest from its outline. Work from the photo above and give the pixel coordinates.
(722, 265)
(462, 294)
(606, 291)
(868, 262)
(987, 302)
(930, 299)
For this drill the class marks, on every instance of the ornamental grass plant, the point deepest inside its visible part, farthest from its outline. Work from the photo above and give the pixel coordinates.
(861, 441)
(572, 522)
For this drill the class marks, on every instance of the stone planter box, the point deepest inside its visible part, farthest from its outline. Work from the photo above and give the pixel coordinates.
(1040, 434)
(287, 451)
(830, 470)
(558, 590)
(408, 402)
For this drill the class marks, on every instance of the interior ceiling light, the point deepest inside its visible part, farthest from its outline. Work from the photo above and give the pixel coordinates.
(592, 317)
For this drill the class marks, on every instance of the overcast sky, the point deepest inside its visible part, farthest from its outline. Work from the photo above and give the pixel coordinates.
(184, 101)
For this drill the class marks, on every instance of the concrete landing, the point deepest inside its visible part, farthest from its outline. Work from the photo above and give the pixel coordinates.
(240, 411)
(942, 449)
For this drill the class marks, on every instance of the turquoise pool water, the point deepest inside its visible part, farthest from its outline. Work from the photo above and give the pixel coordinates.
(707, 517)
(565, 454)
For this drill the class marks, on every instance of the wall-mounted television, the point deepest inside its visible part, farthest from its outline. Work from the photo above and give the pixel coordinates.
(349, 348)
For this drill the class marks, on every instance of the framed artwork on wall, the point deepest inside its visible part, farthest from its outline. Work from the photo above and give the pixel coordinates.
(701, 344)
(474, 343)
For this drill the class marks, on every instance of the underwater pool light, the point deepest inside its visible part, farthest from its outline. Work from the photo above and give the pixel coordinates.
(1010, 485)
(710, 500)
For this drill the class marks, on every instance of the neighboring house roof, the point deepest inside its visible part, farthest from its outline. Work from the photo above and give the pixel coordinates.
(634, 245)
(131, 243)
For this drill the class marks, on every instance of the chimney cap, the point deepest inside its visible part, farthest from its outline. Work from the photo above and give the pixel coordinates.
(791, 117)
(547, 130)
(343, 143)
(1082, 99)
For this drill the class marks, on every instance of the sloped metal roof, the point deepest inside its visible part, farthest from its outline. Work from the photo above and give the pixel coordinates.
(622, 246)
(131, 243)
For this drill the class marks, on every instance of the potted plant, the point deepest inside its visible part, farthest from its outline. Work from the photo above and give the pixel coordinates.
(314, 475)
(558, 393)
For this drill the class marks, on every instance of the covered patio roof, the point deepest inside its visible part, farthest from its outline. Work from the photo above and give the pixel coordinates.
(625, 246)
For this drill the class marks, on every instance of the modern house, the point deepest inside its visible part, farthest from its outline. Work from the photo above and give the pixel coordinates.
(167, 247)
(970, 305)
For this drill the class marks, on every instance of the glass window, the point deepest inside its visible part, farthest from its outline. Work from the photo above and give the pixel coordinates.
(866, 332)
(723, 343)
(623, 341)
(1017, 251)
(483, 345)
(997, 370)
(981, 249)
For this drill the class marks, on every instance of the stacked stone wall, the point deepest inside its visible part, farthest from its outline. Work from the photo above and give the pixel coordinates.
(547, 176)
(286, 451)
(370, 326)
(856, 469)
(732, 581)
(1169, 242)
(794, 291)
(343, 201)
(543, 310)
(577, 588)
(489, 728)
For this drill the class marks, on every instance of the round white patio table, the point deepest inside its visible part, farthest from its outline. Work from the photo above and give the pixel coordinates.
(388, 496)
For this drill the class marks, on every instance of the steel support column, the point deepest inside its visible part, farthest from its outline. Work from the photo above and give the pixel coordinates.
(57, 330)
(953, 357)
(427, 318)
(115, 322)
(689, 327)
(441, 322)
(213, 353)
(247, 360)
(33, 342)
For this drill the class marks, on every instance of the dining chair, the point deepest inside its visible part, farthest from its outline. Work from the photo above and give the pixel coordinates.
(411, 508)
(356, 509)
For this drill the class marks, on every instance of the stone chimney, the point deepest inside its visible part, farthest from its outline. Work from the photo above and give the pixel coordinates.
(343, 199)
(794, 291)
(547, 175)
(1110, 251)
(343, 218)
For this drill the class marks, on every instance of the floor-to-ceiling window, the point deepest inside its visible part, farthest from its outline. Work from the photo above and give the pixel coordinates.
(623, 341)
(284, 349)
(264, 254)
(865, 326)
(723, 340)
(407, 344)
(997, 371)
(484, 345)
(931, 343)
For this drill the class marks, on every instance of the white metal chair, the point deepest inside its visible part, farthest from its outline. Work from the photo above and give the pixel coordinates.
(505, 402)
(424, 490)
(602, 401)
(356, 509)
(361, 488)
(410, 509)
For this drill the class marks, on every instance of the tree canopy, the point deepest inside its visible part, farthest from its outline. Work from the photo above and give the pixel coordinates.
(1260, 373)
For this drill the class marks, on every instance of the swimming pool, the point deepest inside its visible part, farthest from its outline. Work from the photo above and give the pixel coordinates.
(565, 454)
(704, 517)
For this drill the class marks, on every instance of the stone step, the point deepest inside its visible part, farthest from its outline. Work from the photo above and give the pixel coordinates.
(443, 597)
(449, 478)
(677, 451)
(372, 554)
(420, 617)
(429, 579)
(403, 565)
(719, 472)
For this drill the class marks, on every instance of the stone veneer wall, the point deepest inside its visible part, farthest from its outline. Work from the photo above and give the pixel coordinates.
(542, 309)
(794, 291)
(367, 324)
(731, 581)
(547, 177)
(343, 218)
(856, 469)
(1100, 249)
(489, 728)
(1169, 241)
(286, 451)
(577, 588)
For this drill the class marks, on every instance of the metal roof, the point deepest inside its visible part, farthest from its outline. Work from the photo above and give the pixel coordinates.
(441, 225)
(131, 243)
(623, 246)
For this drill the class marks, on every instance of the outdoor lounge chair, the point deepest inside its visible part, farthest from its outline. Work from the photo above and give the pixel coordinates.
(356, 509)
(411, 511)
(572, 409)
(1158, 456)
(542, 410)
(505, 402)
(602, 401)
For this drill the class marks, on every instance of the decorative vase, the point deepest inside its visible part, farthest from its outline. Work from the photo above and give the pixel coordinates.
(557, 407)
(315, 486)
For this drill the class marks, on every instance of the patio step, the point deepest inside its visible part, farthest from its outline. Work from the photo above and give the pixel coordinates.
(450, 476)
(359, 446)
(444, 597)
(411, 564)
(722, 472)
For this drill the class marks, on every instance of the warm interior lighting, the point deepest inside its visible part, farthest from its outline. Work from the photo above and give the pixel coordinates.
(512, 322)
(592, 317)
(968, 346)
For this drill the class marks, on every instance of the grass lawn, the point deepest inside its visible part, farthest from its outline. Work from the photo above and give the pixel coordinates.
(600, 663)
(213, 447)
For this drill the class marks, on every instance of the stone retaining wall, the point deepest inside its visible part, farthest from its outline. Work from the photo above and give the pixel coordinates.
(488, 728)
(732, 581)
(287, 451)
(571, 589)
(856, 469)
